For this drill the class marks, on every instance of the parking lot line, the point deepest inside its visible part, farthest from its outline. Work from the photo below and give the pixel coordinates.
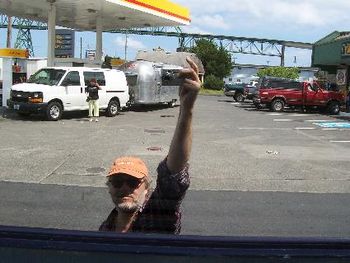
(276, 114)
(282, 120)
(304, 128)
(330, 129)
(339, 141)
(263, 129)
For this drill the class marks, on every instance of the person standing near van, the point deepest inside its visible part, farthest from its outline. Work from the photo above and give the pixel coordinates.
(92, 90)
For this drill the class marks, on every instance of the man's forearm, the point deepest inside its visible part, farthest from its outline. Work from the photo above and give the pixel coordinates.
(180, 148)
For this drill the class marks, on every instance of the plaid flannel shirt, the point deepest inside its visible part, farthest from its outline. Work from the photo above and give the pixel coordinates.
(161, 213)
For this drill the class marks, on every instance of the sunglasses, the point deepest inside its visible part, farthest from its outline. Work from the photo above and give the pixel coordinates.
(131, 182)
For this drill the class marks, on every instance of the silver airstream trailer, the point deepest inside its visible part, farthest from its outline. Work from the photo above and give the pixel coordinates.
(152, 83)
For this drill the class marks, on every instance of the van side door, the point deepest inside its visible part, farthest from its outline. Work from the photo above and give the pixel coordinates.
(75, 98)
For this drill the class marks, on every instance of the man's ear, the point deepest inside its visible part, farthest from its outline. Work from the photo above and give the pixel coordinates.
(146, 191)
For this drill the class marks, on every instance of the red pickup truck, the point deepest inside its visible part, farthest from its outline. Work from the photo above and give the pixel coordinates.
(276, 93)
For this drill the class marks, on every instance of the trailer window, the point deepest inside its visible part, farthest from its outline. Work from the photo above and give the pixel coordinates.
(170, 78)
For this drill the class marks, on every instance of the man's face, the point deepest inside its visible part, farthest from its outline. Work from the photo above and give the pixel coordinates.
(128, 193)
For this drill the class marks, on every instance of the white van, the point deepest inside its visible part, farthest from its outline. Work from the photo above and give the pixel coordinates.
(57, 89)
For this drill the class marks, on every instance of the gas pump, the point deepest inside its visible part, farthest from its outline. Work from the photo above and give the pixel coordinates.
(13, 69)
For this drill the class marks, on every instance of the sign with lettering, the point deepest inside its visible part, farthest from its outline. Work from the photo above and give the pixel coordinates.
(14, 53)
(90, 54)
(64, 43)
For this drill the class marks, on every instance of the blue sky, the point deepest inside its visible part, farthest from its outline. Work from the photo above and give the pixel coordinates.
(294, 20)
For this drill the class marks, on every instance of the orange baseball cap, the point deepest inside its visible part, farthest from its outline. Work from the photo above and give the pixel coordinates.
(132, 166)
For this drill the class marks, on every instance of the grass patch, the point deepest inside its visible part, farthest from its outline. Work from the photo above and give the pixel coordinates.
(204, 91)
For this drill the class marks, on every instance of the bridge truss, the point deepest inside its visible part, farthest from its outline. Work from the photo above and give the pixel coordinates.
(242, 45)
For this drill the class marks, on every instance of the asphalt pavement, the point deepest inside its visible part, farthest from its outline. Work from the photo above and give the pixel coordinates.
(252, 172)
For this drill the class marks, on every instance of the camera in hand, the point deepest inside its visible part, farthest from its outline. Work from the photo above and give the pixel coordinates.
(171, 77)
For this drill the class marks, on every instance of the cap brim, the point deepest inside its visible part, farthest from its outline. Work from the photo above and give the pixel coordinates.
(126, 171)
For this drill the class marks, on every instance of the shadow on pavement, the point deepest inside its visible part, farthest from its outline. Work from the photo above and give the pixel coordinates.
(147, 108)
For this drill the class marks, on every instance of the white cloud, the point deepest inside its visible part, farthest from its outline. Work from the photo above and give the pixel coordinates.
(195, 30)
(278, 14)
(131, 43)
(211, 21)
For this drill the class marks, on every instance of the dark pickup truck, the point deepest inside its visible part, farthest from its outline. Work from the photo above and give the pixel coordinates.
(237, 91)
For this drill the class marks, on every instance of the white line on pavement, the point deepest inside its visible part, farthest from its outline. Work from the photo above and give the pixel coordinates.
(305, 128)
(275, 114)
(258, 128)
(282, 120)
(340, 141)
(330, 129)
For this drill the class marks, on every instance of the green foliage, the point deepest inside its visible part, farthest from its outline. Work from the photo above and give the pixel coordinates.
(216, 60)
(281, 72)
(213, 82)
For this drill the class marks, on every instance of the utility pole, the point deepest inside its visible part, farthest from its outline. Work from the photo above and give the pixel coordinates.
(282, 55)
(9, 32)
(126, 46)
(81, 47)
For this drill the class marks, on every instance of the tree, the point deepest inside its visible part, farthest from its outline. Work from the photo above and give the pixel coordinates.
(216, 61)
(281, 72)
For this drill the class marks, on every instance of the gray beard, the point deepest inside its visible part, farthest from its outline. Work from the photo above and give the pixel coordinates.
(128, 207)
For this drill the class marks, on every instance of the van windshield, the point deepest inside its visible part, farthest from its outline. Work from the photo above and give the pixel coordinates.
(47, 76)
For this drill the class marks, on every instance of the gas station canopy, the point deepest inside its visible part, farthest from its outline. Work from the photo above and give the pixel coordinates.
(82, 14)
(96, 15)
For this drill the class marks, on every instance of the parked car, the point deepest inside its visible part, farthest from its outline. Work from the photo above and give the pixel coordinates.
(276, 93)
(250, 89)
(57, 89)
(236, 91)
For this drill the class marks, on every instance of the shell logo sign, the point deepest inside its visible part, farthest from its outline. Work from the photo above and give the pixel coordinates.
(165, 7)
(14, 53)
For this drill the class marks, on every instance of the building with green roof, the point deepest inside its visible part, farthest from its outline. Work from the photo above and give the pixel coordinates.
(332, 55)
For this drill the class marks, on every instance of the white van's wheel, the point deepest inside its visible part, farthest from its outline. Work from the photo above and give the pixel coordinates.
(113, 108)
(54, 111)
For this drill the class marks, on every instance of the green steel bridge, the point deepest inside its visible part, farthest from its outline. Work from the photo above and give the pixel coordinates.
(233, 44)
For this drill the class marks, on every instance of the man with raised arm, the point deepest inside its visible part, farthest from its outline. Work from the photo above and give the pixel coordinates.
(137, 207)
